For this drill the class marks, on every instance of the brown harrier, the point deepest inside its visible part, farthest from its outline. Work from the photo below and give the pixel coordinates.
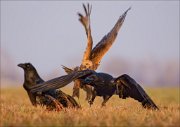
(92, 56)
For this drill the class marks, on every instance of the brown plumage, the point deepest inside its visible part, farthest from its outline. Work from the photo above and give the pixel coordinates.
(92, 56)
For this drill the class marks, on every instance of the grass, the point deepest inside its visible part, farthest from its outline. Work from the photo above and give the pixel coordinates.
(16, 110)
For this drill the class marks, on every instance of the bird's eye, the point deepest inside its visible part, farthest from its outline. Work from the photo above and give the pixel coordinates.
(28, 65)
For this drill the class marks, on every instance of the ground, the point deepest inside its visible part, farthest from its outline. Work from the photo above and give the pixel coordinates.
(16, 110)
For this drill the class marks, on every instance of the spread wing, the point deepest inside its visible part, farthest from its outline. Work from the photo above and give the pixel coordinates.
(104, 45)
(85, 20)
(59, 82)
(127, 87)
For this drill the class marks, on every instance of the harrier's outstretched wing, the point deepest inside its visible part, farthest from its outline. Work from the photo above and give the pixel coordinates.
(85, 20)
(59, 82)
(104, 45)
(127, 87)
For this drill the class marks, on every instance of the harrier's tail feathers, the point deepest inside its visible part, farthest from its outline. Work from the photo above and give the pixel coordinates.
(67, 70)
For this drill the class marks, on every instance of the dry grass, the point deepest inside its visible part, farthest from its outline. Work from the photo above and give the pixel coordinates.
(16, 110)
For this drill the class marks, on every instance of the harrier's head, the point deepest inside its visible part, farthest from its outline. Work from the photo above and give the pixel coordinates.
(86, 65)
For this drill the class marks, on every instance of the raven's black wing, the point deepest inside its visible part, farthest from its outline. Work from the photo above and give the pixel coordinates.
(128, 87)
(59, 82)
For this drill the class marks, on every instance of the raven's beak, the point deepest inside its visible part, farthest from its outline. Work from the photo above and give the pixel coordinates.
(88, 80)
(21, 65)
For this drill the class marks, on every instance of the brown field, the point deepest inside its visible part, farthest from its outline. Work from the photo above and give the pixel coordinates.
(16, 110)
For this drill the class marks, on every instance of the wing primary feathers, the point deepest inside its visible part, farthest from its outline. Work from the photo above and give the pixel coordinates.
(85, 9)
(106, 42)
(128, 9)
(59, 82)
(85, 21)
(52, 84)
(130, 88)
(88, 7)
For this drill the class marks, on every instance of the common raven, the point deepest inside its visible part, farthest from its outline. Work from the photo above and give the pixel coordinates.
(92, 56)
(52, 98)
(104, 85)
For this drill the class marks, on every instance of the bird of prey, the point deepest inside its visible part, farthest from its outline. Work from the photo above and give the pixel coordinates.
(92, 56)
(53, 99)
(104, 85)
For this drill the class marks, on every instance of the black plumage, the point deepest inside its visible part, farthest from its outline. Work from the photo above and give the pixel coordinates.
(124, 86)
(104, 85)
(53, 99)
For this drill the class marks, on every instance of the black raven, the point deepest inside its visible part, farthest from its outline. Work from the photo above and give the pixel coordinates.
(104, 85)
(92, 56)
(52, 98)
(124, 86)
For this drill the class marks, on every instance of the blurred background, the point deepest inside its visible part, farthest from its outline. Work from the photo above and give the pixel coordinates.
(48, 34)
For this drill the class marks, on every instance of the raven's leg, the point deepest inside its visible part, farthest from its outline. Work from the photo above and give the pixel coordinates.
(106, 98)
(57, 104)
(93, 97)
(32, 98)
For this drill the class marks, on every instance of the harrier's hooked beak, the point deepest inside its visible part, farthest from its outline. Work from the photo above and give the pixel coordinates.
(21, 65)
